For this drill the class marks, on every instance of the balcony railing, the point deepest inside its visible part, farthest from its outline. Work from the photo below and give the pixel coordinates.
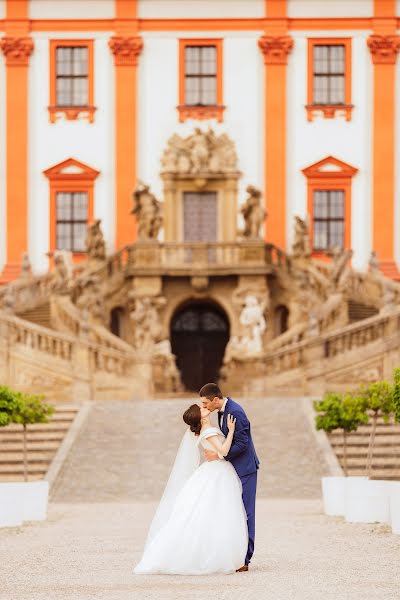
(209, 256)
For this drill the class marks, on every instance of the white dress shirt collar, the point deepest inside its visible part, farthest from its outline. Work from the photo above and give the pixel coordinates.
(222, 409)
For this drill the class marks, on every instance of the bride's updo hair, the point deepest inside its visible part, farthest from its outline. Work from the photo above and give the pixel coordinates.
(192, 417)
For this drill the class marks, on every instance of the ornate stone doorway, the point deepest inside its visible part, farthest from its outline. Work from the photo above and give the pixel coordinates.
(199, 334)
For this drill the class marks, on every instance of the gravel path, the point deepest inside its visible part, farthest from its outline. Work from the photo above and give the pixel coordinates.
(126, 449)
(87, 552)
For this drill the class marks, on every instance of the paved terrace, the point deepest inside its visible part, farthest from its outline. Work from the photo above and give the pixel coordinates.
(106, 494)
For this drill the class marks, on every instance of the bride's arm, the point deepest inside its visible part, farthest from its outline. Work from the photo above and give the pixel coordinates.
(226, 446)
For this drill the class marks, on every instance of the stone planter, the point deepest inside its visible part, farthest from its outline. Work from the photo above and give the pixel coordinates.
(333, 493)
(11, 505)
(35, 496)
(367, 501)
(354, 499)
(394, 503)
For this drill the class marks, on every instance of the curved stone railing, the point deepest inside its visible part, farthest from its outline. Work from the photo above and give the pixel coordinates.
(36, 338)
(65, 315)
(78, 366)
(332, 344)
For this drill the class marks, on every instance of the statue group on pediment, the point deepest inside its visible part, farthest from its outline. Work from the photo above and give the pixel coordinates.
(201, 152)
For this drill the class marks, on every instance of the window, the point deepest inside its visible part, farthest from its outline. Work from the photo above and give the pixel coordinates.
(328, 225)
(72, 76)
(71, 204)
(71, 220)
(71, 79)
(329, 78)
(200, 80)
(200, 75)
(329, 203)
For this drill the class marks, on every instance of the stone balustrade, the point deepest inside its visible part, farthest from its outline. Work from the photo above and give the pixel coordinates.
(62, 366)
(207, 257)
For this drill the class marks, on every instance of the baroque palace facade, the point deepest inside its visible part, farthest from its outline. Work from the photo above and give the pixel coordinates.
(184, 175)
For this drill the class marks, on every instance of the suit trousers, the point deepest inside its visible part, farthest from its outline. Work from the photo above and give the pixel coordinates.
(249, 485)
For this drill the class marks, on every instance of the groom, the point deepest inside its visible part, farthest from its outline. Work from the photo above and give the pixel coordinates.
(242, 454)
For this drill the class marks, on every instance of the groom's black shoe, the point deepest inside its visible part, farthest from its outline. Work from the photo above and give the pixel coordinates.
(243, 569)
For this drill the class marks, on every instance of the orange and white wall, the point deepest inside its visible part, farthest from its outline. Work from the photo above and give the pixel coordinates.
(264, 94)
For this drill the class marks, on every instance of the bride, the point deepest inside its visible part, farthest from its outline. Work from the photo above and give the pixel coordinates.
(200, 526)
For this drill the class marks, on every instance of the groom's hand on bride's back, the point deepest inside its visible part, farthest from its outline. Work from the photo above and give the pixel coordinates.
(210, 455)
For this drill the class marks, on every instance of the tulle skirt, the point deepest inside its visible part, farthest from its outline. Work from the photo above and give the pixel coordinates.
(207, 530)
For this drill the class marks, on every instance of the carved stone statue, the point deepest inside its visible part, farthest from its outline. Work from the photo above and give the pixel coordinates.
(62, 272)
(95, 245)
(390, 302)
(253, 326)
(9, 299)
(301, 245)
(90, 301)
(148, 211)
(201, 152)
(26, 268)
(147, 326)
(339, 274)
(170, 379)
(374, 262)
(253, 213)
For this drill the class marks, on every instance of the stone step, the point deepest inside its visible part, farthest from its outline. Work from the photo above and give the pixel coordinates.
(390, 474)
(7, 458)
(377, 463)
(43, 441)
(19, 468)
(64, 426)
(37, 446)
(391, 452)
(363, 442)
(33, 436)
(4, 477)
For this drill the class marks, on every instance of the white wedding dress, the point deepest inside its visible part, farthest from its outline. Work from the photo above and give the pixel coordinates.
(200, 526)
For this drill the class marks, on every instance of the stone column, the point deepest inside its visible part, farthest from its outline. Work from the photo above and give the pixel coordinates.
(384, 49)
(17, 50)
(275, 50)
(126, 50)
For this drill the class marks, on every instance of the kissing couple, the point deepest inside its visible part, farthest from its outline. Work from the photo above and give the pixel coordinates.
(205, 522)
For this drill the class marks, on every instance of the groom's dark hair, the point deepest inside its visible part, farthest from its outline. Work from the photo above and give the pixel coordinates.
(210, 390)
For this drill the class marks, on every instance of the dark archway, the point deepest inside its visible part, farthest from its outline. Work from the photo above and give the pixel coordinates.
(281, 319)
(199, 334)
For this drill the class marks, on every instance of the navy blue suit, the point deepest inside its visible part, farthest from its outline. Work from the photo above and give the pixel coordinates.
(244, 459)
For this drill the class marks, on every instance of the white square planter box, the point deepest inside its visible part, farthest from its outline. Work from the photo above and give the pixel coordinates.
(367, 500)
(333, 493)
(11, 505)
(35, 496)
(394, 502)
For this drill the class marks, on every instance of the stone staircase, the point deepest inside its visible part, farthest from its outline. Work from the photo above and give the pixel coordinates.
(40, 314)
(44, 440)
(386, 455)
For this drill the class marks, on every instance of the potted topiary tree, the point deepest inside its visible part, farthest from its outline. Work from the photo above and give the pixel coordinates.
(378, 400)
(344, 412)
(11, 507)
(28, 410)
(394, 500)
(368, 501)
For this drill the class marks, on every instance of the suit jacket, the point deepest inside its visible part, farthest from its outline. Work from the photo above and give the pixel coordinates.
(242, 454)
